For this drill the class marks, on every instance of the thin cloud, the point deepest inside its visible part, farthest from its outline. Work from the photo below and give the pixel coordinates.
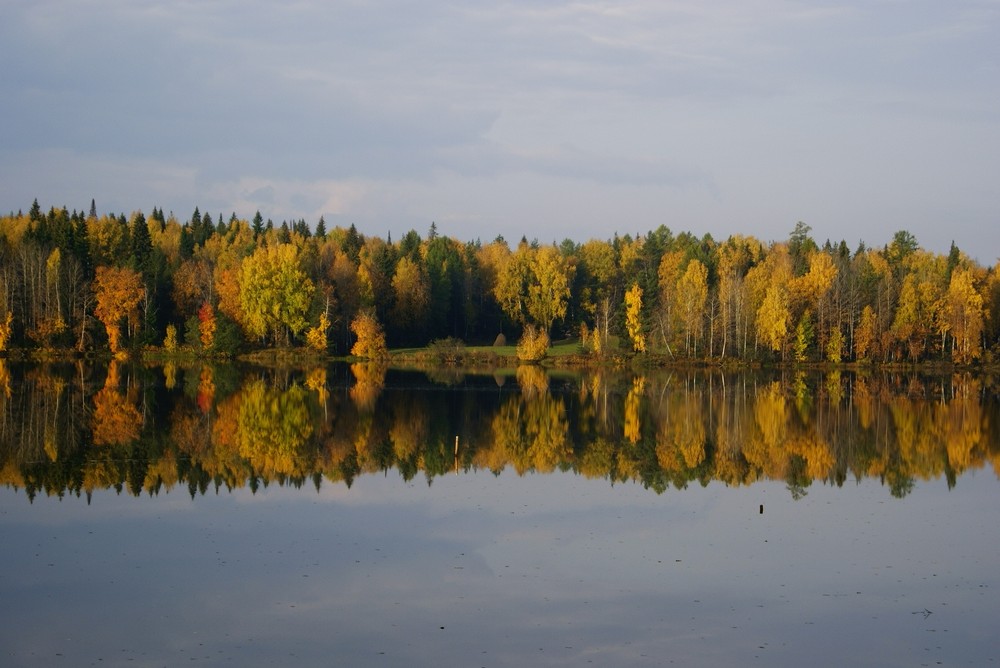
(715, 117)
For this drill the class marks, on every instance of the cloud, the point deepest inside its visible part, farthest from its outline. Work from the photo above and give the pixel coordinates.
(742, 116)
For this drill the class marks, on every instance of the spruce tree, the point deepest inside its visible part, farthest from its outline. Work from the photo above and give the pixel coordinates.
(141, 245)
(258, 224)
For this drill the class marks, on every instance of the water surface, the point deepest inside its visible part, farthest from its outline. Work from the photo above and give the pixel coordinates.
(271, 517)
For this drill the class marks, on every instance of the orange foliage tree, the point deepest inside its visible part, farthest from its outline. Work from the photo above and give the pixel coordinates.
(119, 291)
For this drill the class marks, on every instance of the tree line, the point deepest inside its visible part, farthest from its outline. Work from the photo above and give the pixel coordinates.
(215, 286)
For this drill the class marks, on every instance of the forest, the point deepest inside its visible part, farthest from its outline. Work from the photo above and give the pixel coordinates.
(124, 284)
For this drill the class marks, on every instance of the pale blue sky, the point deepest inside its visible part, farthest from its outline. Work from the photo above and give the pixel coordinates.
(544, 119)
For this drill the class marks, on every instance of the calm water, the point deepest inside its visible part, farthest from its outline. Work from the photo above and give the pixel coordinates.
(226, 516)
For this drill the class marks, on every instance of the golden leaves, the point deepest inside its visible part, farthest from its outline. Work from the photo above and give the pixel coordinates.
(633, 318)
(119, 291)
(370, 343)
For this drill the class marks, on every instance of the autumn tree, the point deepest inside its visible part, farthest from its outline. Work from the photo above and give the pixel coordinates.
(735, 257)
(669, 314)
(317, 336)
(342, 274)
(804, 336)
(773, 318)
(633, 318)
(965, 315)
(490, 258)
(118, 292)
(207, 325)
(275, 294)
(534, 344)
(991, 305)
(512, 283)
(193, 285)
(533, 286)
(108, 239)
(600, 280)
(412, 296)
(376, 261)
(810, 292)
(910, 324)
(769, 289)
(866, 340)
(43, 280)
(692, 293)
(370, 342)
(920, 304)
(835, 346)
(548, 291)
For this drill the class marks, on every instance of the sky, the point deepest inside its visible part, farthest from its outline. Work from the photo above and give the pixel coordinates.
(543, 119)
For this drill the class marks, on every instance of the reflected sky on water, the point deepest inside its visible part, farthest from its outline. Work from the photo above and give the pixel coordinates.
(477, 569)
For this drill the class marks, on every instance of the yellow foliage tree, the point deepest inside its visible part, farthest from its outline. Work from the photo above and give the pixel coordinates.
(773, 318)
(633, 318)
(533, 285)
(370, 342)
(965, 311)
(274, 291)
(692, 293)
(549, 292)
(534, 344)
(412, 292)
(316, 337)
(669, 275)
(170, 340)
(866, 335)
(835, 346)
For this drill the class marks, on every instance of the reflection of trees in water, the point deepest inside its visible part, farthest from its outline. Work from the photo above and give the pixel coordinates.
(530, 431)
(273, 429)
(369, 379)
(409, 432)
(681, 432)
(5, 391)
(532, 380)
(60, 431)
(117, 421)
(632, 425)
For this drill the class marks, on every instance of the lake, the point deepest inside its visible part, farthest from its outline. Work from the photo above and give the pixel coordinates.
(234, 515)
